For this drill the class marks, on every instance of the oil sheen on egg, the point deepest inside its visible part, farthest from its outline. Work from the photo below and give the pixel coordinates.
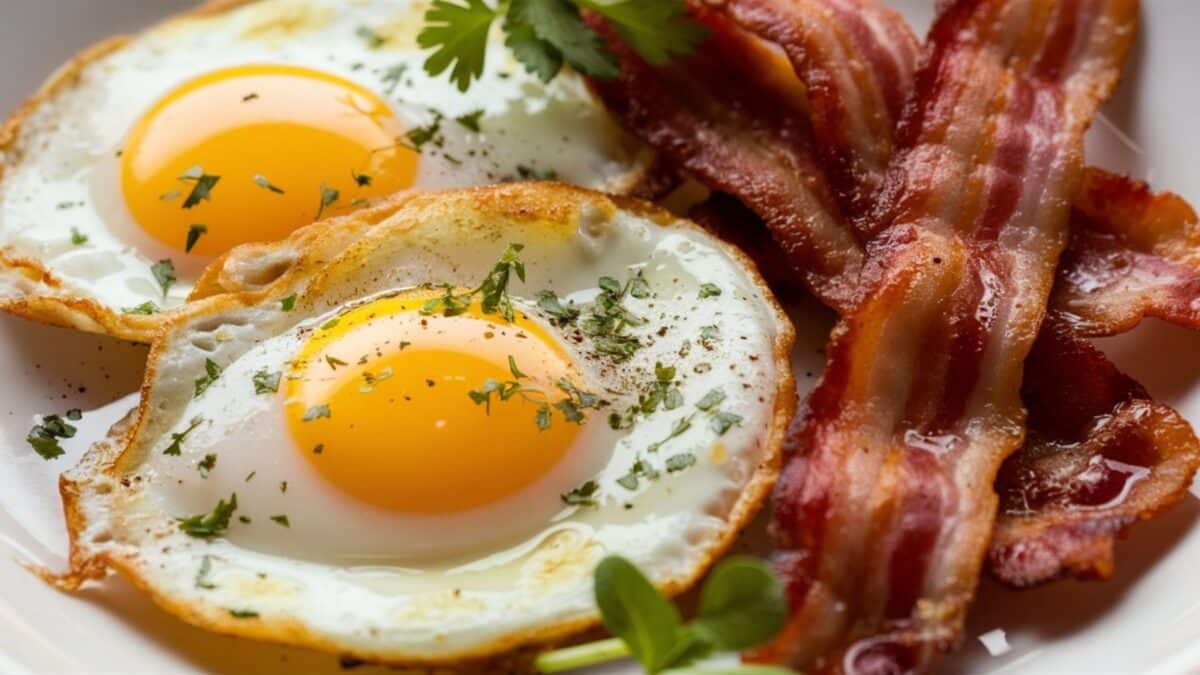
(240, 125)
(426, 468)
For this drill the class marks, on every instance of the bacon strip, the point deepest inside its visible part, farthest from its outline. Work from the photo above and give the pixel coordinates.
(1094, 463)
(1133, 253)
(744, 130)
(884, 521)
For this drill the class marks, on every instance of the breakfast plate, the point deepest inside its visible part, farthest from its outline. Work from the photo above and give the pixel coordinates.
(1145, 619)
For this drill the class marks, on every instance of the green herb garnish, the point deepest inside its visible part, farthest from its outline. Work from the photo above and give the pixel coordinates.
(243, 614)
(328, 197)
(262, 182)
(374, 40)
(164, 274)
(206, 465)
(544, 34)
(146, 307)
(360, 179)
(201, 189)
(193, 236)
(281, 520)
(493, 291)
(202, 573)
(211, 372)
(470, 121)
(741, 605)
(289, 303)
(44, 436)
(176, 446)
(317, 412)
(582, 495)
(208, 525)
(709, 291)
(78, 238)
(266, 382)
(607, 318)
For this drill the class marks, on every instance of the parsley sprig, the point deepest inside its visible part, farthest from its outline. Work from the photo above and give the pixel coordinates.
(493, 291)
(44, 436)
(545, 34)
(608, 317)
(208, 525)
(741, 605)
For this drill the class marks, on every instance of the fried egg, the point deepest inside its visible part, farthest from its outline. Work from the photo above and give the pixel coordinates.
(142, 160)
(378, 453)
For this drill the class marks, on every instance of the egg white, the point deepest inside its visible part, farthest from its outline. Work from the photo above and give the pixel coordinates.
(62, 169)
(397, 602)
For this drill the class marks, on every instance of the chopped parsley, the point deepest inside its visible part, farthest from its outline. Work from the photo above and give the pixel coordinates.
(317, 412)
(582, 495)
(430, 133)
(722, 421)
(570, 407)
(549, 303)
(289, 303)
(177, 439)
(78, 238)
(283, 487)
(640, 469)
(374, 40)
(208, 525)
(530, 173)
(711, 399)
(470, 120)
(262, 182)
(281, 520)
(660, 392)
(243, 614)
(334, 362)
(392, 76)
(709, 291)
(493, 291)
(680, 462)
(202, 580)
(328, 197)
(44, 436)
(202, 187)
(74, 414)
(360, 179)
(681, 426)
(193, 236)
(206, 465)
(608, 317)
(249, 97)
(211, 372)
(266, 382)
(164, 274)
(330, 323)
(146, 307)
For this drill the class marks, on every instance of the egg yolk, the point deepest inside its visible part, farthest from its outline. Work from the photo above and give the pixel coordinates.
(386, 403)
(252, 152)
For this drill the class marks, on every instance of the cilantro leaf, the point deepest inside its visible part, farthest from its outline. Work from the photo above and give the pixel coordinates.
(658, 31)
(208, 525)
(78, 238)
(281, 520)
(458, 34)
(317, 412)
(540, 58)
(175, 448)
(288, 303)
(558, 23)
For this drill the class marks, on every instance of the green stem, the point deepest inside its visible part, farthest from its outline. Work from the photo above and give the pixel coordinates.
(579, 656)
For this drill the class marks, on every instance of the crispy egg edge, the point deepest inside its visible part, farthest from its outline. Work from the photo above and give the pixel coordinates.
(519, 201)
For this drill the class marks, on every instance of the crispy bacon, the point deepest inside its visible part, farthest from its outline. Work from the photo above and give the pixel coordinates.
(856, 59)
(743, 130)
(884, 520)
(1173, 219)
(1133, 253)
(1094, 463)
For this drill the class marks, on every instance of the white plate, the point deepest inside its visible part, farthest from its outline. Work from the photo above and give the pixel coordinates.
(1147, 619)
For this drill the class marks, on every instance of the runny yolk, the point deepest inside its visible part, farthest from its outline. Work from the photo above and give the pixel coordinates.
(283, 143)
(379, 402)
